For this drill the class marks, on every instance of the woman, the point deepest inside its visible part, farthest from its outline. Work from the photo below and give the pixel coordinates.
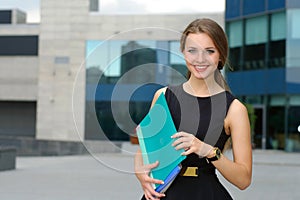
(203, 137)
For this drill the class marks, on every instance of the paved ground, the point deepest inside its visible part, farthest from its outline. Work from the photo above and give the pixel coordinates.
(276, 175)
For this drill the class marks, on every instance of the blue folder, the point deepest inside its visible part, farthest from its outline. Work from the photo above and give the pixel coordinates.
(154, 134)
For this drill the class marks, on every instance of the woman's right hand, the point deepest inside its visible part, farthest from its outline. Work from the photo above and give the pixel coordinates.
(142, 173)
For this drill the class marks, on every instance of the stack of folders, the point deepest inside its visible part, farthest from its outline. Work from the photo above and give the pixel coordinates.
(154, 134)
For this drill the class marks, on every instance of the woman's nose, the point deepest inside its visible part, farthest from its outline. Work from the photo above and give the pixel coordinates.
(201, 56)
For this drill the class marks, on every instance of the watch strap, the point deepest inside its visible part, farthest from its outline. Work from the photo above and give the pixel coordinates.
(217, 156)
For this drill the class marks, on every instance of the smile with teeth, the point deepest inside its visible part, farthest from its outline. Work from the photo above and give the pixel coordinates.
(200, 67)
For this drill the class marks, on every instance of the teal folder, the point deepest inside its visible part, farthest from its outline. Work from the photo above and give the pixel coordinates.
(154, 134)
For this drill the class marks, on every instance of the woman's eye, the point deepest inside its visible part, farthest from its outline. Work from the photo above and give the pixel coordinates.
(210, 51)
(192, 51)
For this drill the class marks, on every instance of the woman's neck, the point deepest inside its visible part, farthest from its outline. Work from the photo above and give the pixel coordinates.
(202, 87)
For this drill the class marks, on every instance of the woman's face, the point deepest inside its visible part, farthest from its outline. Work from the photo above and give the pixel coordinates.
(201, 55)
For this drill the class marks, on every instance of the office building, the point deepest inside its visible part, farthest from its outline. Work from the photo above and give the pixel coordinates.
(264, 38)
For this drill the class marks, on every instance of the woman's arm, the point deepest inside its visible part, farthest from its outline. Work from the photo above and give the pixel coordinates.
(142, 173)
(239, 171)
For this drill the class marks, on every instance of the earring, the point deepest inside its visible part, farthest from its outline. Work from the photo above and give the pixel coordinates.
(220, 67)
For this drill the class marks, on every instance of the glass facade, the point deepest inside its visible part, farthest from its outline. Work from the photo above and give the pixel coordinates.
(293, 38)
(236, 38)
(245, 8)
(121, 78)
(264, 44)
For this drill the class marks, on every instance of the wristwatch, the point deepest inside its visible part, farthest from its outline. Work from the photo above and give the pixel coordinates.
(217, 155)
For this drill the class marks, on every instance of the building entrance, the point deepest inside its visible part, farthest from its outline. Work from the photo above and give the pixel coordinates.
(259, 133)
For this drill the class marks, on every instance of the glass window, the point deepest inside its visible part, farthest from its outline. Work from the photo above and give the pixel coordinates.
(253, 99)
(278, 26)
(293, 140)
(126, 66)
(254, 57)
(277, 46)
(277, 53)
(112, 129)
(295, 100)
(277, 100)
(5, 17)
(177, 63)
(235, 34)
(256, 30)
(18, 118)
(294, 20)
(293, 38)
(94, 5)
(26, 45)
(114, 58)
(275, 127)
(235, 58)
(176, 55)
(137, 62)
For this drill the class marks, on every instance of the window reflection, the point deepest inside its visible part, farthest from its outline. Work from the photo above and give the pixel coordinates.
(254, 57)
(277, 53)
(114, 58)
(257, 42)
(177, 63)
(235, 58)
(143, 66)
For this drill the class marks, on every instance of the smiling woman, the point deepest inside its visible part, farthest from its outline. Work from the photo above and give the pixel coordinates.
(205, 114)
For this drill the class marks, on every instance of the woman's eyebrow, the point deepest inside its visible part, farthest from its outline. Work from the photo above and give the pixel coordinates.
(192, 47)
(210, 47)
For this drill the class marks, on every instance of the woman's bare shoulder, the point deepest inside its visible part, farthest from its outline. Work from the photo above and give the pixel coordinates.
(237, 114)
(237, 107)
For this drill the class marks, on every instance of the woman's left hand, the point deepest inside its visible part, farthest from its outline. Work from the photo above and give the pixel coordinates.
(191, 144)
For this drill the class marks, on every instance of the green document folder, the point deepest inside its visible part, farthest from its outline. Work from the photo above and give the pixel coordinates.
(154, 134)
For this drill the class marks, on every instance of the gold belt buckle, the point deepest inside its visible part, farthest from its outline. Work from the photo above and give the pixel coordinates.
(191, 171)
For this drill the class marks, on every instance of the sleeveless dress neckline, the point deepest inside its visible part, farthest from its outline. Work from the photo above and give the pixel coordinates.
(201, 97)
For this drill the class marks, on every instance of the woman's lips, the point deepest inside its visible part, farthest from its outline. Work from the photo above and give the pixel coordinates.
(200, 68)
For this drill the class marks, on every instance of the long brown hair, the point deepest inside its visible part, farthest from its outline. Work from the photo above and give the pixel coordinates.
(219, 38)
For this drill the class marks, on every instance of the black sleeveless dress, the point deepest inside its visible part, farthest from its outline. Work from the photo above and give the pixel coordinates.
(204, 117)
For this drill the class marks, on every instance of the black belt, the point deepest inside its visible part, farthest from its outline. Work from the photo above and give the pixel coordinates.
(195, 171)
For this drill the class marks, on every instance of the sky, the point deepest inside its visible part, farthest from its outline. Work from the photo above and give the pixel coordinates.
(32, 7)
